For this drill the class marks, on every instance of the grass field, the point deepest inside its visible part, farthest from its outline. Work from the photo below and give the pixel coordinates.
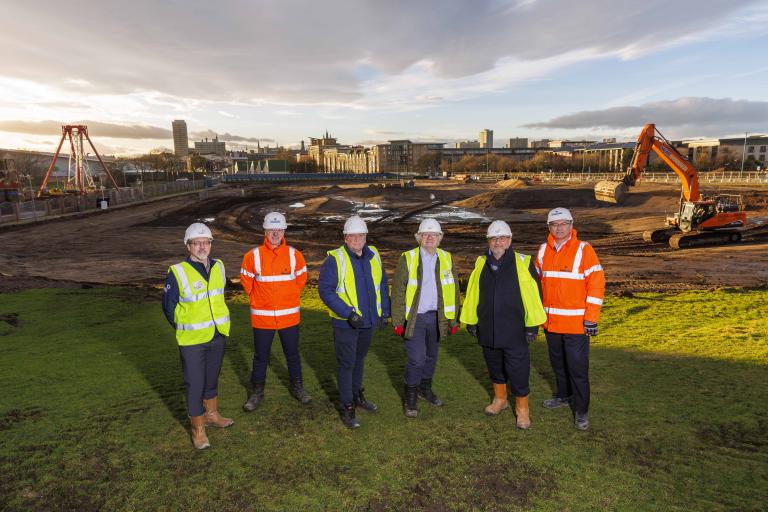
(92, 416)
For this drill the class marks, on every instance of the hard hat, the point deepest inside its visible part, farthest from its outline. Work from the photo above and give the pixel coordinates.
(559, 214)
(197, 230)
(355, 225)
(430, 226)
(498, 228)
(275, 220)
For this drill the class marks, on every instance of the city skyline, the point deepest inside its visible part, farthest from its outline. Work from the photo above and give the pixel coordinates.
(432, 71)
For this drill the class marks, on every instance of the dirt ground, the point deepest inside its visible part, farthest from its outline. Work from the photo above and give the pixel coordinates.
(135, 245)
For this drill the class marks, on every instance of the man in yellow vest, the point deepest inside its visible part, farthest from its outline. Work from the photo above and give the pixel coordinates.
(503, 310)
(353, 285)
(194, 305)
(425, 298)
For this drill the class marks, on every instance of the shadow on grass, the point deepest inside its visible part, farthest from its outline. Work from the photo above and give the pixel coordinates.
(468, 352)
(390, 351)
(317, 351)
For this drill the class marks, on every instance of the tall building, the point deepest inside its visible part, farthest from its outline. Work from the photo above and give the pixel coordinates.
(211, 147)
(486, 138)
(518, 142)
(180, 138)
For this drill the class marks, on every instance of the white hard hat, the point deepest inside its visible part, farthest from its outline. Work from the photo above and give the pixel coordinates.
(275, 220)
(559, 214)
(430, 226)
(498, 228)
(197, 230)
(355, 225)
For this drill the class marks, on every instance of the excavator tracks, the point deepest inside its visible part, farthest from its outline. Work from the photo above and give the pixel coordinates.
(697, 239)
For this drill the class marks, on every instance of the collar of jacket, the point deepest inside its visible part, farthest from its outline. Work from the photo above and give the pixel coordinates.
(573, 240)
(367, 253)
(505, 258)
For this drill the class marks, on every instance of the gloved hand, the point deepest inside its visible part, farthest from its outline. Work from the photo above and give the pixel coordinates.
(472, 330)
(355, 320)
(399, 330)
(531, 335)
(382, 322)
(590, 328)
(454, 329)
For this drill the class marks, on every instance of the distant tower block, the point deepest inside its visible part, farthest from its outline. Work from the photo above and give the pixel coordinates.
(180, 138)
(486, 138)
(79, 178)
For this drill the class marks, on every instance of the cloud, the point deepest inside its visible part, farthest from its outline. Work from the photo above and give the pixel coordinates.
(379, 54)
(226, 137)
(95, 129)
(702, 114)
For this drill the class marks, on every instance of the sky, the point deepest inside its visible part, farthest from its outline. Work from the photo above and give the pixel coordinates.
(367, 71)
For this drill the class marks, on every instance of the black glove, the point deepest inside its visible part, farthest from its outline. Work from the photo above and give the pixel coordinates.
(531, 335)
(472, 330)
(590, 328)
(355, 320)
(382, 323)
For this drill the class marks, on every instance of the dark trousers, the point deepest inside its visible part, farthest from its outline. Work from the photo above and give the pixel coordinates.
(569, 355)
(512, 365)
(201, 365)
(422, 349)
(351, 347)
(262, 346)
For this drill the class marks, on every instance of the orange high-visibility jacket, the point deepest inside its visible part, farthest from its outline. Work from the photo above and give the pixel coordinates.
(573, 285)
(273, 278)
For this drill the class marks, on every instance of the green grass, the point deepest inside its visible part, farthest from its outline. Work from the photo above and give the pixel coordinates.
(92, 416)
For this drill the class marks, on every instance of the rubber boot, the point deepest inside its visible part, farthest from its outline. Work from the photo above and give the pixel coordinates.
(521, 411)
(297, 391)
(257, 396)
(199, 439)
(347, 415)
(362, 403)
(499, 402)
(425, 392)
(212, 416)
(409, 402)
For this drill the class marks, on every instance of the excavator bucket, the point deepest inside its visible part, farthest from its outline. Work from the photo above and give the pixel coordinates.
(611, 191)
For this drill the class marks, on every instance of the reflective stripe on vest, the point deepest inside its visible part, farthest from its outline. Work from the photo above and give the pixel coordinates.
(447, 284)
(529, 292)
(201, 309)
(345, 286)
(275, 312)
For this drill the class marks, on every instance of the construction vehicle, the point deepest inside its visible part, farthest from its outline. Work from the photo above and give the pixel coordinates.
(700, 220)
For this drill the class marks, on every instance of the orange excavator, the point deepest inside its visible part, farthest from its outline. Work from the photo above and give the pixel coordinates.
(701, 220)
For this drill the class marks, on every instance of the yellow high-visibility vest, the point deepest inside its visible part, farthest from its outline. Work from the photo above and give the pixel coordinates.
(447, 284)
(529, 291)
(201, 309)
(346, 288)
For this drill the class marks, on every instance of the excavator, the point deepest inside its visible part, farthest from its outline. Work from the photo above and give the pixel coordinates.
(700, 220)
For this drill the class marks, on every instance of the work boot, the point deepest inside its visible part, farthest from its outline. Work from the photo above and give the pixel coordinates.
(297, 391)
(554, 403)
(199, 439)
(425, 392)
(521, 412)
(212, 416)
(499, 402)
(409, 401)
(581, 421)
(347, 414)
(361, 402)
(257, 396)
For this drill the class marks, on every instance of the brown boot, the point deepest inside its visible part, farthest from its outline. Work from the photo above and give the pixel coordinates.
(212, 416)
(521, 411)
(499, 401)
(199, 439)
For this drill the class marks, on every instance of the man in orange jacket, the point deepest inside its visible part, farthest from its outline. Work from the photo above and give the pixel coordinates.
(273, 276)
(573, 286)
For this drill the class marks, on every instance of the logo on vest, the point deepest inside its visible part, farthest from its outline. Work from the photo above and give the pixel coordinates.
(198, 285)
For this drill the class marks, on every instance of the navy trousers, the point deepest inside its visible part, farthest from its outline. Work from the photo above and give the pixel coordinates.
(351, 347)
(510, 365)
(569, 355)
(262, 347)
(201, 365)
(422, 349)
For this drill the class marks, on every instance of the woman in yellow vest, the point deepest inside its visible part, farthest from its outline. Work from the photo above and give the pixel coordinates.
(503, 310)
(425, 298)
(194, 305)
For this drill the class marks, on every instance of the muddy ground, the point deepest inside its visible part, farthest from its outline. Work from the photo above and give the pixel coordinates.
(135, 245)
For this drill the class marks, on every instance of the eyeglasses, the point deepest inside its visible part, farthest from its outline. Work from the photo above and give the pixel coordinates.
(431, 235)
(556, 225)
(200, 243)
(497, 239)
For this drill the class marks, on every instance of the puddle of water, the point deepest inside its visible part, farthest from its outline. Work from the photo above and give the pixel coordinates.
(207, 220)
(332, 218)
(297, 205)
(448, 214)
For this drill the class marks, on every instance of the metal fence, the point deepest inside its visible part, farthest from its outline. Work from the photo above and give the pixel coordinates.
(730, 177)
(242, 178)
(45, 207)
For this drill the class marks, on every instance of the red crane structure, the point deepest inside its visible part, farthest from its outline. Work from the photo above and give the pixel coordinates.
(79, 178)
